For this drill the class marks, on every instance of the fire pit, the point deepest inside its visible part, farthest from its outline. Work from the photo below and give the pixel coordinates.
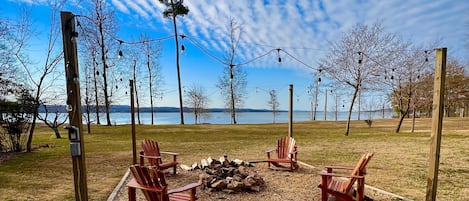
(229, 176)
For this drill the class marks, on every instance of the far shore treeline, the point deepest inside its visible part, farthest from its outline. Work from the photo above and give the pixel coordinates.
(126, 109)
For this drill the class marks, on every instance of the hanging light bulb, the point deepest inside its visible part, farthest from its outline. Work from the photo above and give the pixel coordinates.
(278, 54)
(74, 37)
(183, 48)
(120, 54)
(360, 57)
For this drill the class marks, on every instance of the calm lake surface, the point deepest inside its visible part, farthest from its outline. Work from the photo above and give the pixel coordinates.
(242, 117)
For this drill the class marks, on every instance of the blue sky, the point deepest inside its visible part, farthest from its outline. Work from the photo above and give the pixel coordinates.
(303, 28)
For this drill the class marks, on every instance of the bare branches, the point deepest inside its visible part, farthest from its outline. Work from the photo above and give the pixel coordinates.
(360, 55)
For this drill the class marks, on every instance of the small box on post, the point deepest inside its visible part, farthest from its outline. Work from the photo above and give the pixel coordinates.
(74, 137)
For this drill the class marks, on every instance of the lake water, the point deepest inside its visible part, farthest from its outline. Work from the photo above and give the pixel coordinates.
(242, 117)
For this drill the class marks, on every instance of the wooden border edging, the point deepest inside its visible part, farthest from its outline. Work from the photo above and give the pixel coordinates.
(116, 190)
(367, 186)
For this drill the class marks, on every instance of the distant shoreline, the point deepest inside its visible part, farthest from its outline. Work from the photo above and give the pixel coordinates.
(126, 109)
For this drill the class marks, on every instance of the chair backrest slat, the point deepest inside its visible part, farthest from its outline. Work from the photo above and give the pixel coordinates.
(150, 148)
(149, 176)
(358, 171)
(285, 146)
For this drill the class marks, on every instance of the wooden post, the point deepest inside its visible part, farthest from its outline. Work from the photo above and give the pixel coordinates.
(290, 113)
(437, 123)
(132, 117)
(69, 36)
(325, 104)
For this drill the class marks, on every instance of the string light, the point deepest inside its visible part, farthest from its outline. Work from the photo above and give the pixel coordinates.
(74, 37)
(183, 48)
(278, 54)
(360, 57)
(426, 56)
(120, 54)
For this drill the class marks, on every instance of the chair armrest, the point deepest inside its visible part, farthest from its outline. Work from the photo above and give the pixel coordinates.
(271, 150)
(325, 174)
(169, 153)
(329, 168)
(340, 167)
(184, 188)
(153, 157)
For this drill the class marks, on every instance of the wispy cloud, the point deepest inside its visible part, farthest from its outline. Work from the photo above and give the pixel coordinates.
(306, 27)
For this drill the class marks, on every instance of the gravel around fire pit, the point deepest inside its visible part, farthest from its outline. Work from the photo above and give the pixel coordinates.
(300, 185)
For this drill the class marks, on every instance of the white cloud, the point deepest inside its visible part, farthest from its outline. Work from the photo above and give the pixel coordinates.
(307, 27)
(120, 6)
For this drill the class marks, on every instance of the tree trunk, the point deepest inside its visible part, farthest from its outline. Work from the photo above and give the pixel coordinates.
(136, 92)
(31, 132)
(57, 132)
(354, 97)
(401, 119)
(151, 88)
(404, 113)
(95, 80)
(103, 59)
(177, 65)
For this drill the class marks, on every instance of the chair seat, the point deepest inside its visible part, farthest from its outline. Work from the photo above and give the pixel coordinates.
(280, 160)
(153, 184)
(285, 152)
(344, 190)
(168, 165)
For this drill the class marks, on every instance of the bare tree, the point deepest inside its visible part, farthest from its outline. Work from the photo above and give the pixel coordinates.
(356, 59)
(198, 100)
(58, 119)
(37, 74)
(10, 75)
(403, 79)
(233, 82)
(98, 28)
(456, 89)
(152, 54)
(273, 103)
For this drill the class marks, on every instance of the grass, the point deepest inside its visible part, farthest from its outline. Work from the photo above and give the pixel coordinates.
(400, 164)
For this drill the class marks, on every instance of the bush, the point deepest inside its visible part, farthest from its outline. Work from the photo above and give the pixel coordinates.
(15, 120)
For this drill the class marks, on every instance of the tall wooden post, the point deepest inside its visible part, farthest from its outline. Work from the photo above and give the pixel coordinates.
(70, 35)
(437, 123)
(325, 104)
(290, 113)
(132, 117)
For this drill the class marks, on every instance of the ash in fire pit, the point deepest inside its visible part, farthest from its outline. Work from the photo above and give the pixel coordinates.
(229, 176)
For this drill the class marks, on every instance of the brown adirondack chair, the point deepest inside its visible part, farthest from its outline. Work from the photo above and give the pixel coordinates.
(343, 190)
(152, 152)
(286, 153)
(154, 187)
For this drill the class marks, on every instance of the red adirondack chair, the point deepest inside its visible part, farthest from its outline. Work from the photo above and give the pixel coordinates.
(152, 152)
(286, 153)
(343, 190)
(154, 187)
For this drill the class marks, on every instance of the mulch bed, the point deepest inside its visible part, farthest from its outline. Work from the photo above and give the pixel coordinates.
(300, 185)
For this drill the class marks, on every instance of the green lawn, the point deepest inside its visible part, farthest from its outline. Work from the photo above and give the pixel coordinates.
(400, 164)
